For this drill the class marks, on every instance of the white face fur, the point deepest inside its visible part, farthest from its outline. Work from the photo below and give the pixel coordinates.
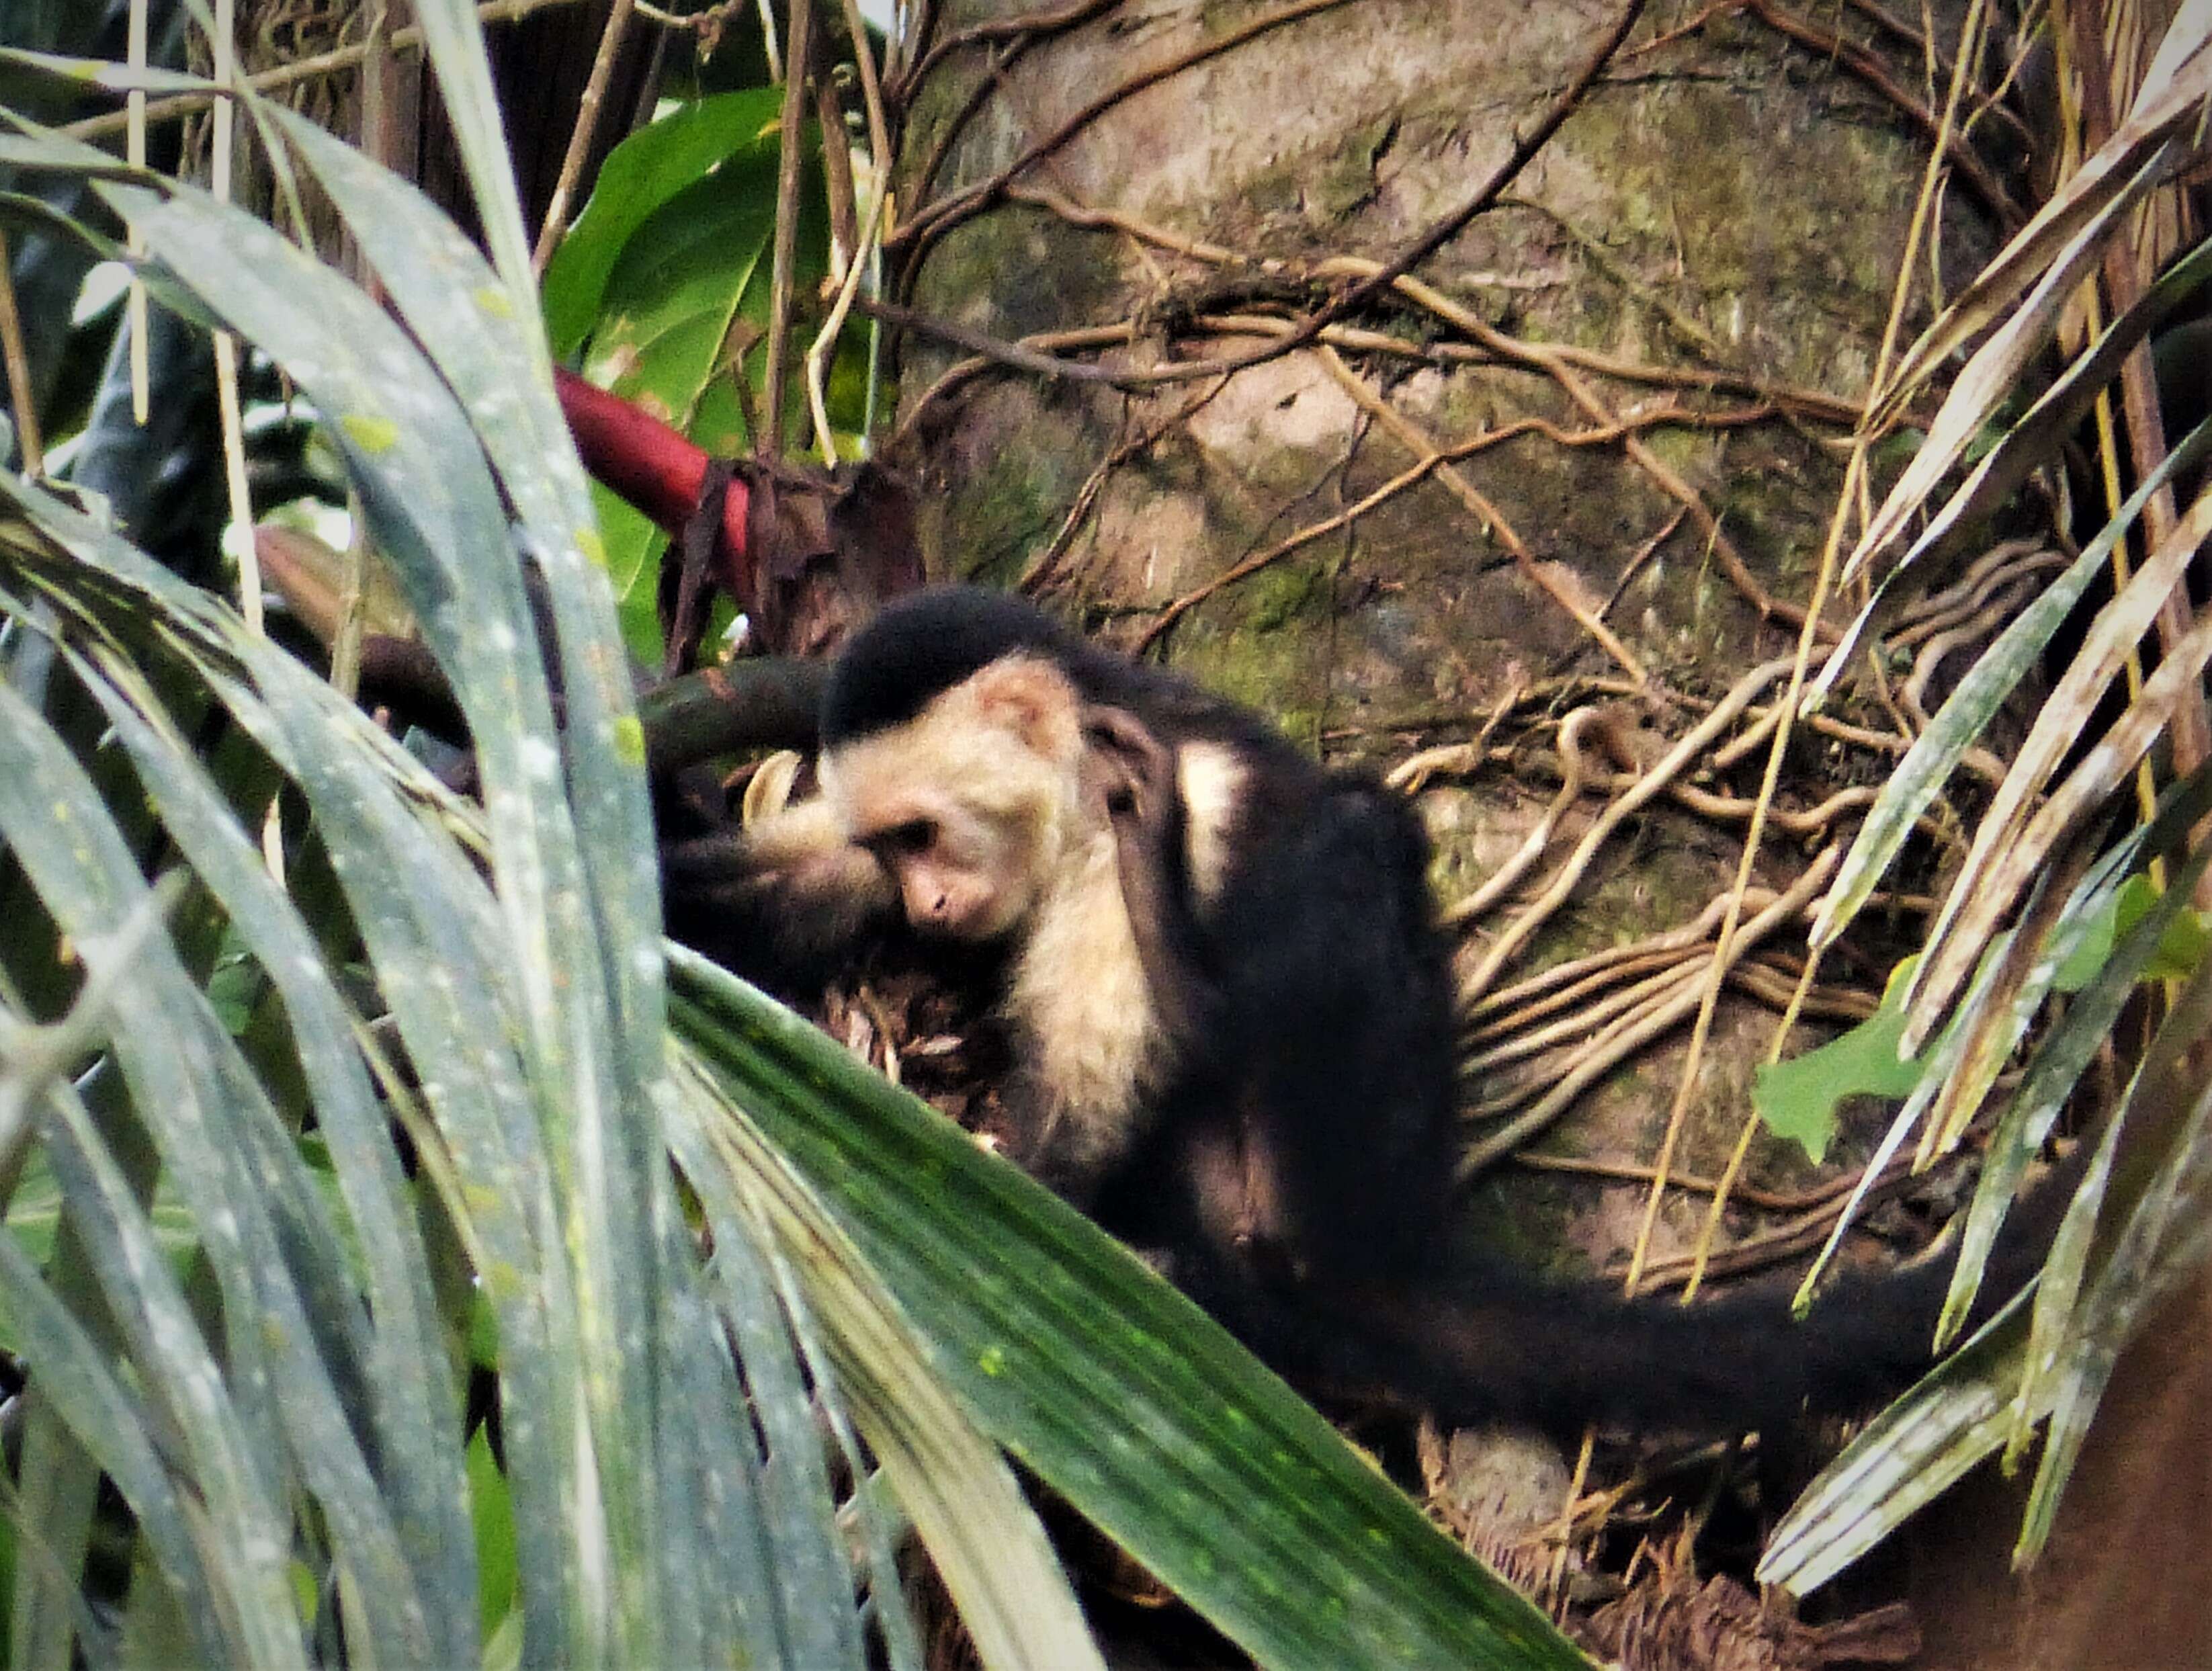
(973, 802)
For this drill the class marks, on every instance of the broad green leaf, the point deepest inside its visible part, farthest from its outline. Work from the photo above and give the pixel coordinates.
(526, 1004)
(640, 174)
(416, 910)
(671, 312)
(426, 264)
(1936, 1065)
(376, 1236)
(491, 1514)
(663, 285)
(634, 548)
(1797, 1098)
(1114, 1390)
(2180, 949)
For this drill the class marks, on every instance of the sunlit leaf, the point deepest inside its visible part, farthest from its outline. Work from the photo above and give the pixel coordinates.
(1114, 1388)
(1797, 1098)
(645, 171)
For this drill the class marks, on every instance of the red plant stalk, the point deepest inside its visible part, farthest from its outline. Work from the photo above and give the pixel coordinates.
(648, 465)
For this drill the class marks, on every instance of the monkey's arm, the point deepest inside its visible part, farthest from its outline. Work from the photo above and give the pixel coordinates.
(786, 904)
(1130, 773)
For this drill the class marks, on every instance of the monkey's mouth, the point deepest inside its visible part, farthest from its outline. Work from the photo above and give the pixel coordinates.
(988, 918)
(975, 928)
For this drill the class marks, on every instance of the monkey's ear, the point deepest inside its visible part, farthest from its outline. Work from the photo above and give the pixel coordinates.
(1031, 701)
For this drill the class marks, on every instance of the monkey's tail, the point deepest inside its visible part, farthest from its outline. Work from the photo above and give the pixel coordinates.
(1562, 1357)
(1494, 1343)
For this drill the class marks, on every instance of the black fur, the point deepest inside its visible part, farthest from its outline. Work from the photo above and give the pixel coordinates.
(1295, 1176)
(929, 641)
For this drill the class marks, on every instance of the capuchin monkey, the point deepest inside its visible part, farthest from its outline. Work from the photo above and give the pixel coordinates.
(1232, 1014)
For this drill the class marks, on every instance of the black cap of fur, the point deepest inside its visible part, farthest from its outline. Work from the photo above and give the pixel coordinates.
(928, 641)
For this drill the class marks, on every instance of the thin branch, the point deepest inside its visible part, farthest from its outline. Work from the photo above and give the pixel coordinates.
(1757, 1252)
(1942, 129)
(1507, 876)
(798, 64)
(1488, 516)
(1040, 570)
(21, 404)
(1856, 472)
(1397, 484)
(1633, 1033)
(408, 39)
(1859, 62)
(1572, 979)
(579, 140)
(1050, 21)
(872, 96)
(1988, 103)
(1492, 347)
(1694, 743)
(932, 222)
(1421, 246)
(837, 179)
(134, 152)
(825, 341)
(999, 351)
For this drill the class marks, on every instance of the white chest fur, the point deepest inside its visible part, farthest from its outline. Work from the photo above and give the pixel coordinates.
(1090, 1020)
(1081, 999)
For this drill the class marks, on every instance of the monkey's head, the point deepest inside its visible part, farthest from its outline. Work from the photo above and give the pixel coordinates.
(953, 744)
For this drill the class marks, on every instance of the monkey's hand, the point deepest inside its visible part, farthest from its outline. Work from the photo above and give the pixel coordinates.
(1129, 781)
(802, 846)
(787, 902)
(1127, 772)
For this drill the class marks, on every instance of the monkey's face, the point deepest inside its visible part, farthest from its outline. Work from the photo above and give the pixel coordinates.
(971, 804)
(961, 875)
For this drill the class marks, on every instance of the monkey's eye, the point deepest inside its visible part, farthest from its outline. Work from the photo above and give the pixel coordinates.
(916, 836)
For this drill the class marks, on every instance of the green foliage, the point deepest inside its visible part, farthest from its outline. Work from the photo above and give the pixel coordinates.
(732, 132)
(1797, 1098)
(491, 1510)
(474, 978)
(2180, 952)
(2002, 945)
(1109, 1385)
(662, 286)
